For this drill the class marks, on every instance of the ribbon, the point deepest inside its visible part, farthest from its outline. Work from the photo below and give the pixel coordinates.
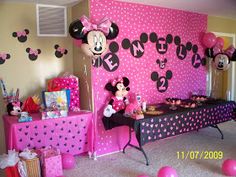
(102, 26)
(21, 33)
(115, 81)
(35, 52)
(62, 50)
(3, 56)
(217, 49)
(230, 50)
(16, 104)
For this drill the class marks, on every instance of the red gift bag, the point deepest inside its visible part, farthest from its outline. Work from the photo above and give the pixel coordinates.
(12, 171)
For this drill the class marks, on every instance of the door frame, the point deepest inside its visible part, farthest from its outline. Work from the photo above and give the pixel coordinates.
(231, 71)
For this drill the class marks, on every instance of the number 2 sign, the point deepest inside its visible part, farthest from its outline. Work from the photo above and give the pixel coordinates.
(162, 81)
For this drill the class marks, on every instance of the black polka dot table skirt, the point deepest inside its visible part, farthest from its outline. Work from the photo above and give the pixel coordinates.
(175, 122)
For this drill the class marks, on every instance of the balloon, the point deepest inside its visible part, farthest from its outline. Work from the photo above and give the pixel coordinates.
(68, 161)
(230, 50)
(142, 175)
(77, 42)
(221, 62)
(220, 42)
(86, 49)
(209, 39)
(216, 50)
(167, 172)
(114, 31)
(229, 167)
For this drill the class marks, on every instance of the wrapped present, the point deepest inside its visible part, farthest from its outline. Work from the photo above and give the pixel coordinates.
(70, 82)
(51, 114)
(56, 99)
(51, 162)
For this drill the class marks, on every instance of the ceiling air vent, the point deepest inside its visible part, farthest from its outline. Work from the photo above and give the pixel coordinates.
(51, 20)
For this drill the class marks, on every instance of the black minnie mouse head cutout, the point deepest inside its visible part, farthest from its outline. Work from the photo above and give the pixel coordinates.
(161, 63)
(110, 61)
(161, 43)
(21, 35)
(197, 61)
(33, 54)
(181, 50)
(4, 57)
(60, 51)
(136, 47)
(93, 35)
(162, 81)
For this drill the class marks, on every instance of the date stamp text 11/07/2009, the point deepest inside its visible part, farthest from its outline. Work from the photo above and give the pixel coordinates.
(205, 155)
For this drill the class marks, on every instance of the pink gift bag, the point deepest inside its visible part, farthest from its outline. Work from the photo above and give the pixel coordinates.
(70, 82)
(51, 162)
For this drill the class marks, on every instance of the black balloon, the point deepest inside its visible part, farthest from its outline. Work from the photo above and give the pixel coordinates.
(113, 31)
(76, 30)
(209, 52)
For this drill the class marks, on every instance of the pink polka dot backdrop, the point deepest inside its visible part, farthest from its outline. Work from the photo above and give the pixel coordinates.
(133, 20)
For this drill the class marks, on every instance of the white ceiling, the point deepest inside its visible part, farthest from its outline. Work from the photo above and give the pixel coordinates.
(222, 8)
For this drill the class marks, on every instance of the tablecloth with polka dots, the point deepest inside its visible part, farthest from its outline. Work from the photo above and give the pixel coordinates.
(173, 123)
(69, 134)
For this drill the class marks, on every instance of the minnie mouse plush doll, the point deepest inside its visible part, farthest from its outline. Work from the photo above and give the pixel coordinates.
(119, 88)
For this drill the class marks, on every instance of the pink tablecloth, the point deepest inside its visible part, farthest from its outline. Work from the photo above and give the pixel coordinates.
(70, 134)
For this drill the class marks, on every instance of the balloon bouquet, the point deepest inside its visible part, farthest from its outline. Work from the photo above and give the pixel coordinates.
(214, 49)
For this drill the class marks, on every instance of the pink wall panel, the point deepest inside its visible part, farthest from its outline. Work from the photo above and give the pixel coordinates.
(133, 20)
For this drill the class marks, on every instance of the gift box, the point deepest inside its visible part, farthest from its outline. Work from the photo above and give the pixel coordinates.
(51, 114)
(56, 99)
(12, 171)
(51, 162)
(67, 82)
(32, 167)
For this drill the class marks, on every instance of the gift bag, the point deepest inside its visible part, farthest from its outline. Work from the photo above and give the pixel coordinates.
(67, 82)
(56, 99)
(9, 162)
(12, 171)
(32, 167)
(51, 162)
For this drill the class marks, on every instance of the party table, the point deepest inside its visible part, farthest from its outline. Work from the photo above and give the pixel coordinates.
(70, 134)
(173, 122)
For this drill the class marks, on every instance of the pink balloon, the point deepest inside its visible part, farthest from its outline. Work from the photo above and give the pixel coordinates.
(68, 161)
(77, 42)
(229, 167)
(220, 42)
(209, 39)
(167, 172)
(216, 49)
(142, 175)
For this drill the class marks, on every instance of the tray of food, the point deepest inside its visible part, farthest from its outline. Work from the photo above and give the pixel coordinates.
(188, 104)
(173, 101)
